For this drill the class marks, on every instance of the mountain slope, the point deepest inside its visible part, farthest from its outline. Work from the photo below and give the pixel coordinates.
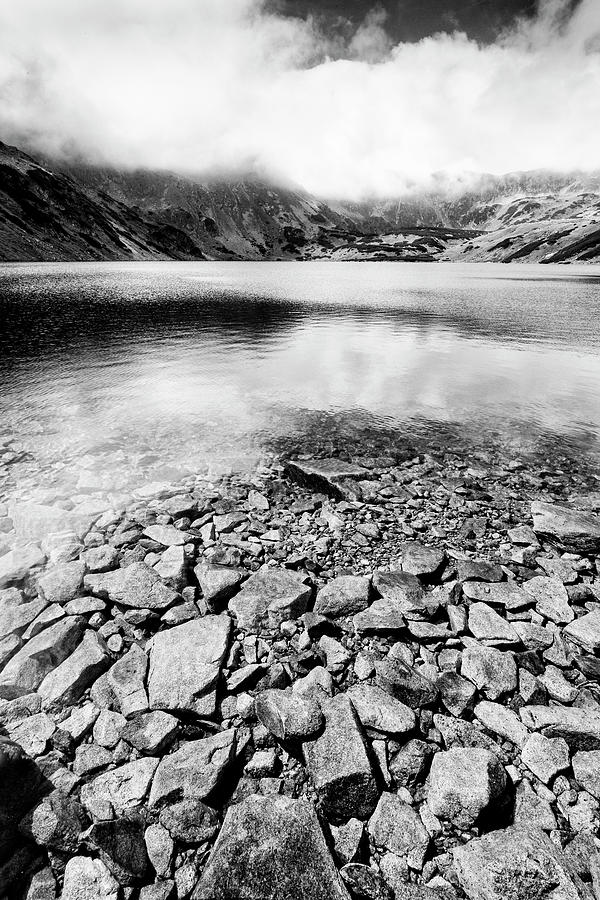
(45, 215)
(51, 212)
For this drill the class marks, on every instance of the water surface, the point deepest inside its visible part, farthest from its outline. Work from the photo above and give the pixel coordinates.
(110, 373)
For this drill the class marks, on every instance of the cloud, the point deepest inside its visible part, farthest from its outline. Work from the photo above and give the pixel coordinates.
(194, 85)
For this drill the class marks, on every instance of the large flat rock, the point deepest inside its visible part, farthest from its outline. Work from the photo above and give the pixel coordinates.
(270, 597)
(185, 664)
(73, 676)
(270, 847)
(27, 669)
(137, 586)
(573, 529)
(195, 770)
(517, 863)
(579, 727)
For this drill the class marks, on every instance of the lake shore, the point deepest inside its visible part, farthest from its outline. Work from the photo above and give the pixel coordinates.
(392, 655)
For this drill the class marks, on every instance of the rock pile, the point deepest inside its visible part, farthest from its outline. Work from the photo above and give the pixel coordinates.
(373, 679)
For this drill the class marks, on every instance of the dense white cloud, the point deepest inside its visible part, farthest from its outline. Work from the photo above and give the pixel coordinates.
(192, 85)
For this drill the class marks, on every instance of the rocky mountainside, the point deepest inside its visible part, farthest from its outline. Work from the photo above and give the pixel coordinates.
(52, 212)
(343, 679)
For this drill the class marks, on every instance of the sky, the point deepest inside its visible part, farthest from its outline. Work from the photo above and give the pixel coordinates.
(344, 98)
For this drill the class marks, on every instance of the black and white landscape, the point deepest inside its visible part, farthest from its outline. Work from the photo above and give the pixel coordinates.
(299, 558)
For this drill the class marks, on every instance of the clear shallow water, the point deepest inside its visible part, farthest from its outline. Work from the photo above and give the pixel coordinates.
(109, 370)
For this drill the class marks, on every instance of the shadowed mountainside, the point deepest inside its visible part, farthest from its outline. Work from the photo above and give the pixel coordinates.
(80, 212)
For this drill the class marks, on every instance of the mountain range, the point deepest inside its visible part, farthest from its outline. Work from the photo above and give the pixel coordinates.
(50, 210)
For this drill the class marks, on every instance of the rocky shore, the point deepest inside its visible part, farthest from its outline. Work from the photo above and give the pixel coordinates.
(367, 678)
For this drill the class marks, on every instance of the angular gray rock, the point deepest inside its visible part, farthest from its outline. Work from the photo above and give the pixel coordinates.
(43, 653)
(492, 671)
(378, 710)
(486, 625)
(573, 529)
(339, 764)
(410, 764)
(269, 597)
(217, 583)
(151, 733)
(586, 768)
(405, 593)
(290, 717)
(395, 826)
(478, 570)
(381, 617)
(343, 596)
(56, 822)
(502, 721)
(518, 863)
(195, 770)
(545, 757)
(464, 783)
(506, 594)
(585, 631)
(138, 586)
(67, 682)
(550, 598)
(127, 681)
(405, 683)
(185, 665)
(16, 615)
(456, 693)
(424, 562)
(61, 583)
(120, 845)
(121, 789)
(89, 879)
(578, 726)
(270, 847)
(167, 535)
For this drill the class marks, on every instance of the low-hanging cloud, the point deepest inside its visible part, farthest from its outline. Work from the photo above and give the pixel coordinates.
(199, 85)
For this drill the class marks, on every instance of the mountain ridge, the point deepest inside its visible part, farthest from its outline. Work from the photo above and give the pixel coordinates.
(58, 211)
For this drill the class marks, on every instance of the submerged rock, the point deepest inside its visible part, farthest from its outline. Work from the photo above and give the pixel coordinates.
(335, 477)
